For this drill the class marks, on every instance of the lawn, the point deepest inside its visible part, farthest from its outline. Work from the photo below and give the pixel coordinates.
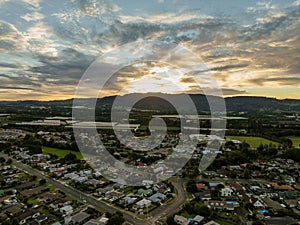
(60, 152)
(252, 141)
(295, 140)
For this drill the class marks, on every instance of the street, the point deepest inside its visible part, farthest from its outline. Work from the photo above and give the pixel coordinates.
(162, 211)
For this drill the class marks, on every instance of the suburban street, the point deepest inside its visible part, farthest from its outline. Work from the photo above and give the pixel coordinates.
(173, 206)
(161, 212)
(78, 194)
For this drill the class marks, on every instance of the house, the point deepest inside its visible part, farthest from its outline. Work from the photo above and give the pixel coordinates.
(25, 186)
(71, 176)
(273, 205)
(56, 223)
(103, 221)
(275, 186)
(34, 191)
(80, 179)
(92, 222)
(236, 186)
(213, 185)
(114, 195)
(45, 219)
(142, 192)
(27, 215)
(222, 205)
(80, 218)
(203, 195)
(198, 219)
(143, 203)
(66, 210)
(292, 203)
(93, 183)
(48, 197)
(281, 220)
(15, 210)
(226, 192)
(5, 199)
(258, 204)
(129, 199)
(181, 220)
(201, 186)
(156, 198)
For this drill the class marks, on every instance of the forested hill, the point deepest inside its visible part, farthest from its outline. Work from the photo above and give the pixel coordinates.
(156, 102)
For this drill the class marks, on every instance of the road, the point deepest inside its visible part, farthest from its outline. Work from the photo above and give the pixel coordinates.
(78, 194)
(173, 206)
(158, 213)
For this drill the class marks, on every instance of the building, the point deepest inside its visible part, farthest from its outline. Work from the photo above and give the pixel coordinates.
(181, 220)
(143, 203)
(226, 192)
(80, 218)
(156, 198)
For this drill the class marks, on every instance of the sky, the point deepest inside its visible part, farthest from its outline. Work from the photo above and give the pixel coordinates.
(250, 47)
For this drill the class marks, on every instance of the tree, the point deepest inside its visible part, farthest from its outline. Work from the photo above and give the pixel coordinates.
(2, 160)
(116, 219)
(191, 186)
(15, 221)
(220, 186)
(9, 162)
(258, 222)
(42, 182)
(204, 211)
(287, 143)
(170, 220)
(35, 149)
(70, 157)
(247, 174)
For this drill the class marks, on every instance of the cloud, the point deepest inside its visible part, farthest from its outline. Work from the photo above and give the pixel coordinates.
(11, 39)
(33, 3)
(15, 88)
(225, 91)
(35, 16)
(279, 81)
(52, 43)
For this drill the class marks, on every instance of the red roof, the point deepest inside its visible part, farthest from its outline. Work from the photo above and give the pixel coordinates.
(201, 186)
(142, 164)
(238, 187)
(282, 187)
(4, 198)
(60, 171)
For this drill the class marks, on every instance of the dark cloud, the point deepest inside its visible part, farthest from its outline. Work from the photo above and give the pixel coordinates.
(15, 88)
(226, 91)
(279, 80)
(59, 49)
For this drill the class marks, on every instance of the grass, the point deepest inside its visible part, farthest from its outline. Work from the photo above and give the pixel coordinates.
(187, 215)
(295, 140)
(127, 190)
(252, 141)
(61, 153)
(32, 202)
(70, 198)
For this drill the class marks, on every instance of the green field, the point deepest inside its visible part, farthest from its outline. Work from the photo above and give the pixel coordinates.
(295, 140)
(252, 141)
(60, 152)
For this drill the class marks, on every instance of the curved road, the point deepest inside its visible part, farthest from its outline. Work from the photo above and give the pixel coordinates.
(173, 206)
(160, 212)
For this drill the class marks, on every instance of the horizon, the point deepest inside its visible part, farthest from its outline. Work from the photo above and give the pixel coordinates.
(149, 93)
